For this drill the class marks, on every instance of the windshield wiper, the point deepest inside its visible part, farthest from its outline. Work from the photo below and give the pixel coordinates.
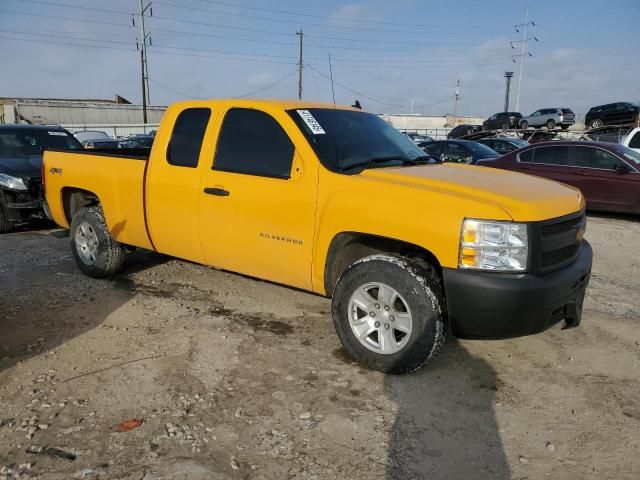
(375, 162)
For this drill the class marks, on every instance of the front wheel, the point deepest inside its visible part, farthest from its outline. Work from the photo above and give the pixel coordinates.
(5, 225)
(389, 313)
(98, 255)
(597, 123)
(524, 125)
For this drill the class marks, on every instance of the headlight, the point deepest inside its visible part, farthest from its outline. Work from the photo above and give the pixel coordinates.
(501, 246)
(13, 183)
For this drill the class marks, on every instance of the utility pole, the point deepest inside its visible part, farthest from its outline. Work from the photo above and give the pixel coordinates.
(523, 54)
(333, 93)
(142, 45)
(508, 76)
(455, 103)
(300, 65)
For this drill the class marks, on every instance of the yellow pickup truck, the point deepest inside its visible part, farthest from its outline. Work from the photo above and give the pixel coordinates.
(335, 201)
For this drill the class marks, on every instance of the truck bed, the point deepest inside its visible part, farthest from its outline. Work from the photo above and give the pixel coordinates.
(117, 179)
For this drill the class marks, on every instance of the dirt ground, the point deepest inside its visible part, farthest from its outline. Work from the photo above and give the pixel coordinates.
(237, 378)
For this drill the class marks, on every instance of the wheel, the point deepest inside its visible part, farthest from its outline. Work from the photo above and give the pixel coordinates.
(524, 125)
(505, 126)
(389, 313)
(597, 123)
(551, 125)
(96, 253)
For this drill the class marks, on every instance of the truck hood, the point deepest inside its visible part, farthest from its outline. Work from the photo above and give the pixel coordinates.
(22, 166)
(523, 197)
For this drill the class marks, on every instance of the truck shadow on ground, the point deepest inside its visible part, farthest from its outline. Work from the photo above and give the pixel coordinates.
(42, 306)
(446, 427)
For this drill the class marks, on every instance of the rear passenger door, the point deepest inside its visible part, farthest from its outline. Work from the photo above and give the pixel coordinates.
(258, 199)
(550, 161)
(603, 186)
(173, 183)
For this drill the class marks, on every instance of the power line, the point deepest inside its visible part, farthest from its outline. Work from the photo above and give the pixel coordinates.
(193, 22)
(268, 86)
(63, 36)
(382, 102)
(59, 17)
(182, 94)
(80, 7)
(48, 42)
(296, 22)
(324, 17)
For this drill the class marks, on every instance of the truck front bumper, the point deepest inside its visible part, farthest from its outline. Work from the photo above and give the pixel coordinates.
(486, 305)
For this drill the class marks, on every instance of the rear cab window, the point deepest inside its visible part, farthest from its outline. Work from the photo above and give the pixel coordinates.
(187, 137)
(252, 142)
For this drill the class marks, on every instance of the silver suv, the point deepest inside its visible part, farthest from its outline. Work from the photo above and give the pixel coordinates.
(550, 118)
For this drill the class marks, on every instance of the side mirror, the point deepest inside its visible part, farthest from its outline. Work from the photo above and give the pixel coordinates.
(622, 168)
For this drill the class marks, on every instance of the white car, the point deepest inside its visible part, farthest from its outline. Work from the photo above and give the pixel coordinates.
(632, 140)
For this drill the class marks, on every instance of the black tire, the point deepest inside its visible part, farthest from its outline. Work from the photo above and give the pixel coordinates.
(5, 225)
(423, 293)
(110, 254)
(551, 125)
(524, 125)
(596, 123)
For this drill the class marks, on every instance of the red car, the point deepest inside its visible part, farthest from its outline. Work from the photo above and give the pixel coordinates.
(608, 174)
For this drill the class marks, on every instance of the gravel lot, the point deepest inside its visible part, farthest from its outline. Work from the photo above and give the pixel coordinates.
(237, 378)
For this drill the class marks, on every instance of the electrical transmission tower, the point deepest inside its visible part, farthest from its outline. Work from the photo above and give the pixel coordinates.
(524, 52)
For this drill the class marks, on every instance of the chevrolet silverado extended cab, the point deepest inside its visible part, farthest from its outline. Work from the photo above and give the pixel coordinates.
(335, 201)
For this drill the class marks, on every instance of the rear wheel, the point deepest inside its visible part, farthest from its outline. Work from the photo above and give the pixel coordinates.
(389, 313)
(551, 125)
(95, 251)
(597, 123)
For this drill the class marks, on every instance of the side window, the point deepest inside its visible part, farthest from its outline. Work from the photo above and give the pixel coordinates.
(635, 141)
(432, 149)
(595, 158)
(526, 156)
(535, 114)
(455, 153)
(253, 143)
(186, 138)
(552, 155)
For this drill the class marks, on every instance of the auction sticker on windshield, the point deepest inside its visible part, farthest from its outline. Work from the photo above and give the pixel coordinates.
(311, 122)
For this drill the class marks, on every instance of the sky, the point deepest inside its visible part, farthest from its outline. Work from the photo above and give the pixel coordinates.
(394, 57)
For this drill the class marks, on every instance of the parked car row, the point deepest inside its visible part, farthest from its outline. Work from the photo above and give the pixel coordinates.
(99, 140)
(619, 113)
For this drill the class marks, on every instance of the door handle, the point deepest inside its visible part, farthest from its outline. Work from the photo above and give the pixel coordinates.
(220, 192)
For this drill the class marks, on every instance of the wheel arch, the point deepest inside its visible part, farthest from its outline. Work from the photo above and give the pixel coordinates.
(348, 247)
(73, 199)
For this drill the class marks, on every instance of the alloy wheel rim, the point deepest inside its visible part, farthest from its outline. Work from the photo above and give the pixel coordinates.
(86, 241)
(380, 318)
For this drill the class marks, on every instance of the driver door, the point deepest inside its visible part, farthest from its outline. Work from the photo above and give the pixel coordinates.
(258, 199)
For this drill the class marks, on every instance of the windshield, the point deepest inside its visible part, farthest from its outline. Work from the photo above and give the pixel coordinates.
(480, 149)
(28, 141)
(630, 154)
(519, 143)
(343, 138)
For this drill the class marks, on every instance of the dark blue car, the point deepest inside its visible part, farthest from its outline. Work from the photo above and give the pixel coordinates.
(458, 151)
